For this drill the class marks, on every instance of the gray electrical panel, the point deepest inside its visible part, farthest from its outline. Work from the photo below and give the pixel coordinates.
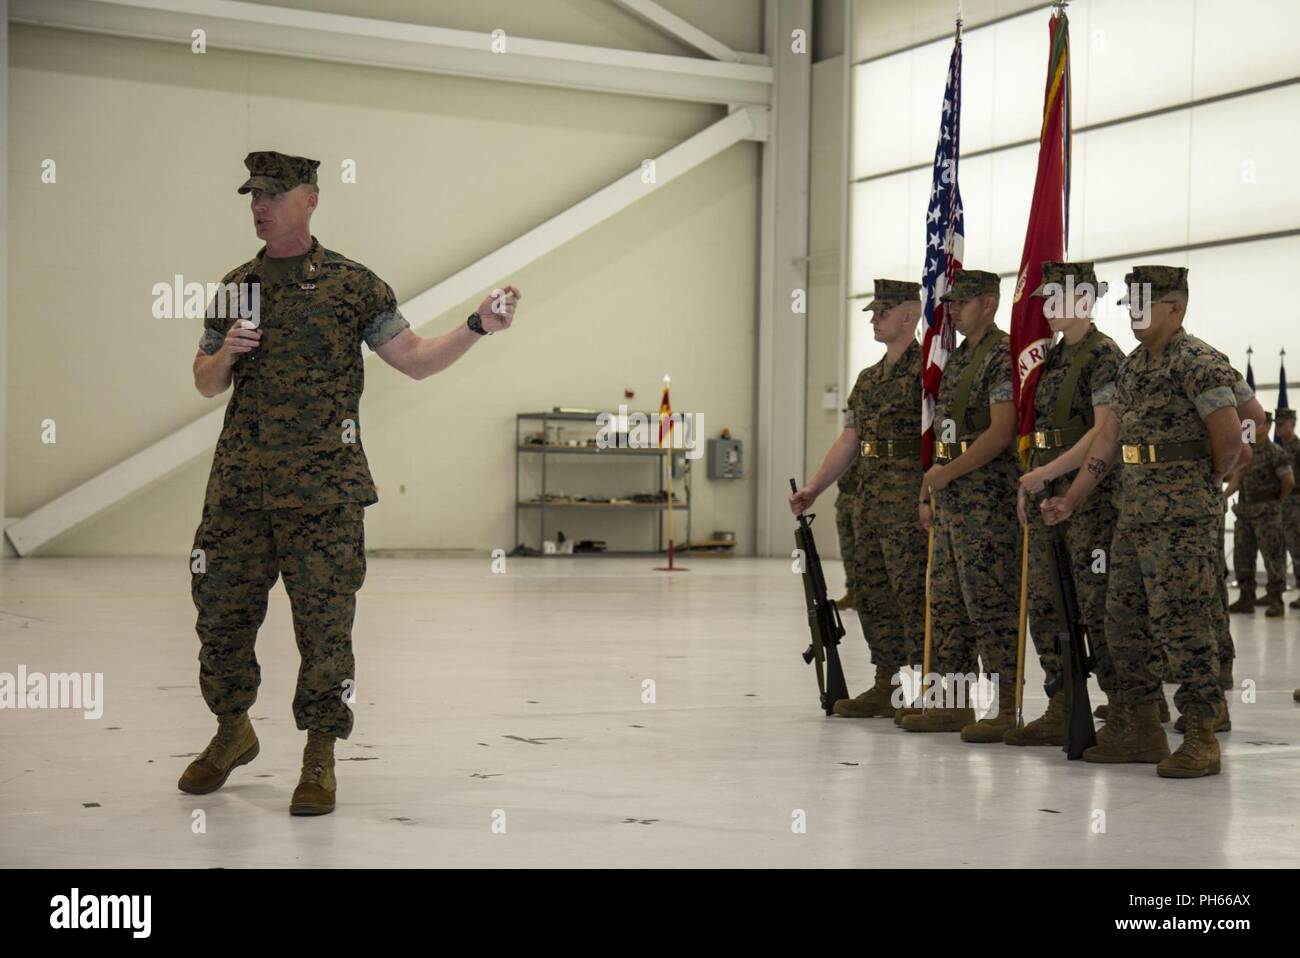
(725, 459)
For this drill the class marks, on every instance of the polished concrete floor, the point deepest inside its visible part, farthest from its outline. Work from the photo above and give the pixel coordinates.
(581, 712)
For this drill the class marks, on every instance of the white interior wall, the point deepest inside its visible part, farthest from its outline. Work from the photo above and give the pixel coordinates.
(149, 139)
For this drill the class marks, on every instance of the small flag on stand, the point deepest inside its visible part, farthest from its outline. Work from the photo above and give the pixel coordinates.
(666, 442)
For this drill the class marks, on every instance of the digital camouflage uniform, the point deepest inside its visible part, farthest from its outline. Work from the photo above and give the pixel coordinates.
(889, 544)
(1163, 605)
(847, 485)
(1291, 504)
(975, 572)
(1089, 530)
(1259, 519)
(289, 480)
(1227, 648)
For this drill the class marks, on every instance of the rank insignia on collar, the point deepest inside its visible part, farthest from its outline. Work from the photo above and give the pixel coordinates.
(311, 267)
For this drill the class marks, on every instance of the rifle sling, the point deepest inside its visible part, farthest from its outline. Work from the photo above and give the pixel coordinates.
(980, 419)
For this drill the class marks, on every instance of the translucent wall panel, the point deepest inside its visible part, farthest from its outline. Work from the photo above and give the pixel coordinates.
(1141, 56)
(882, 127)
(1244, 172)
(1233, 304)
(1243, 43)
(1135, 186)
(879, 243)
(882, 26)
(1020, 52)
(1128, 58)
(1012, 192)
(979, 61)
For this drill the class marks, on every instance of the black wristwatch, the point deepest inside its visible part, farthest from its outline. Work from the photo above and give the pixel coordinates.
(475, 322)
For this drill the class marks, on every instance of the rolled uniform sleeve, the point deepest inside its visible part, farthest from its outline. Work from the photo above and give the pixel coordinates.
(215, 324)
(1211, 385)
(1101, 381)
(385, 320)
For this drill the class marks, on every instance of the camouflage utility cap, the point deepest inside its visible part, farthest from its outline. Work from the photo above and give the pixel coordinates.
(273, 172)
(891, 292)
(1160, 279)
(969, 283)
(1065, 275)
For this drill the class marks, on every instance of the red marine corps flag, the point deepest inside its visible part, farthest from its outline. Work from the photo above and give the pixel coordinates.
(1045, 239)
(1048, 229)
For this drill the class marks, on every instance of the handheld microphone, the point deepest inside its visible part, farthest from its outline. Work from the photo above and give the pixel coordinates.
(250, 295)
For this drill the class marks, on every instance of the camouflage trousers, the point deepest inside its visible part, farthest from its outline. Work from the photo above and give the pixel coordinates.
(889, 588)
(1259, 529)
(844, 506)
(1291, 531)
(1088, 536)
(320, 551)
(1162, 612)
(975, 587)
(1227, 648)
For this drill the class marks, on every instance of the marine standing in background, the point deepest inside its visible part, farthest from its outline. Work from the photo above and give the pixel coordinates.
(1286, 438)
(1263, 485)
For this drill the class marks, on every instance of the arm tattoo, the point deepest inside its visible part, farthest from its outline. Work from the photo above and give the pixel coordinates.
(1097, 467)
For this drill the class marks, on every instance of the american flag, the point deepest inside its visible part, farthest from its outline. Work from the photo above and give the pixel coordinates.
(944, 248)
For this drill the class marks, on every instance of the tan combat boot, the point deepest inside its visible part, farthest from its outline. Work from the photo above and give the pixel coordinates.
(315, 792)
(1117, 718)
(998, 724)
(845, 601)
(234, 744)
(938, 720)
(1138, 737)
(1199, 753)
(1220, 721)
(876, 702)
(1102, 710)
(1048, 729)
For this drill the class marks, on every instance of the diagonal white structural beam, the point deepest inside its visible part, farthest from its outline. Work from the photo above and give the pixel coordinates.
(281, 31)
(672, 24)
(157, 461)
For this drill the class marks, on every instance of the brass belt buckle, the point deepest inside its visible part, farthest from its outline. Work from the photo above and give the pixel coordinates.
(868, 448)
(1040, 440)
(1132, 455)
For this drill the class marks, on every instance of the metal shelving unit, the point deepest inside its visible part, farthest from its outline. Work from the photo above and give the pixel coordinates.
(523, 449)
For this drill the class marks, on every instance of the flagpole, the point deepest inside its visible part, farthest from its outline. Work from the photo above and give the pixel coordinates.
(669, 456)
(929, 620)
(1021, 625)
(665, 412)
